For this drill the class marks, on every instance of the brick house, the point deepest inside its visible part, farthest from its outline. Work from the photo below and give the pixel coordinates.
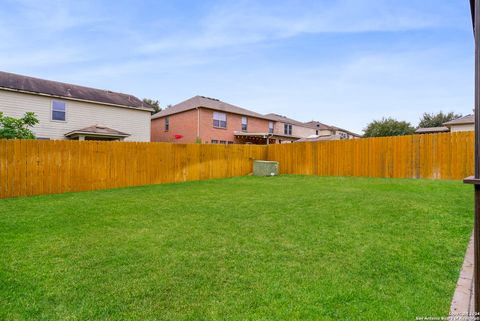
(211, 121)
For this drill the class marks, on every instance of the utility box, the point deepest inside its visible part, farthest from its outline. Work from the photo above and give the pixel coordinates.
(265, 168)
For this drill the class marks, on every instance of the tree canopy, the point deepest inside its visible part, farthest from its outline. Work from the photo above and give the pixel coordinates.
(17, 128)
(154, 103)
(388, 127)
(436, 120)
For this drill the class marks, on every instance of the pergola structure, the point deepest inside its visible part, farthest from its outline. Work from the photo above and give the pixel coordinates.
(262, 138)
(475, 180)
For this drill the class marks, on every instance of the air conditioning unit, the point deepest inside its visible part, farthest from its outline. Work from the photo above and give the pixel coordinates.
(265, 168)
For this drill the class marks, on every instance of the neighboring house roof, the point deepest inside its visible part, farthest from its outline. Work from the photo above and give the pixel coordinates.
(346, 131)
(322, 126)
(468, 119)
(426, 130)
(285, 119)
(319, 125)
(39, 86)
(97, 130)
(207, 102)
(318, 138)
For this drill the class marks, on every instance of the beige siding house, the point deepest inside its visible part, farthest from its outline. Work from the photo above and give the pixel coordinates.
(290, 127)
(67, 111)
(462, 124)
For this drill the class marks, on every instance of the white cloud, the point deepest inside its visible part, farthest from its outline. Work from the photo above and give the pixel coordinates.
(250, 22)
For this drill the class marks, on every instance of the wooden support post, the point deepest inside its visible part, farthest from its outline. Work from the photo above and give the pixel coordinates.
(475, 6)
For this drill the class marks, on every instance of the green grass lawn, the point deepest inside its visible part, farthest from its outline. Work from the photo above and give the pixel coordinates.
(249, 248)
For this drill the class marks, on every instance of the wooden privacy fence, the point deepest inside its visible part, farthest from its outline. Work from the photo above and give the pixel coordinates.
(438, 156)
(33, 167)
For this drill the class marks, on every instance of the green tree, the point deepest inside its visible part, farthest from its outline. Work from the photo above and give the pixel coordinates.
(436, 120)
(155, 104)
(388, 127)
(17, 128)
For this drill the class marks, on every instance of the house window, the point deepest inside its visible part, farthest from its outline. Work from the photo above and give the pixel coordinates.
(244, 123)
(59, 110)
(343, 135)
(167, 123)
(287, 129)
(223, 142)
(219, 120)
(316, 132)
(230, 142)
(214, 141)
(270, 127)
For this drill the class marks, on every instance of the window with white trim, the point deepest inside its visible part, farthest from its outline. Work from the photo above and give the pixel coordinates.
(270, 127)
(59, 110)
(244, 123)
(219, 120)
(167, 123)
(214, 141)
(287, 129)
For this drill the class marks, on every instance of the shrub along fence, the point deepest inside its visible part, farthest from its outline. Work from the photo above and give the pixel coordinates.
(30, 167)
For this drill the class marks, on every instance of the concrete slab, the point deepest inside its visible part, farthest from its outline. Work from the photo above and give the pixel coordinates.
(462, 302)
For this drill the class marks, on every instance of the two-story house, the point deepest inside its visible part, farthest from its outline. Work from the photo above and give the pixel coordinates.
(212, 121)
(67, 111)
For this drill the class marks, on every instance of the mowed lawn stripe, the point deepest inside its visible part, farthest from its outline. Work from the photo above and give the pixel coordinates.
(248, 248)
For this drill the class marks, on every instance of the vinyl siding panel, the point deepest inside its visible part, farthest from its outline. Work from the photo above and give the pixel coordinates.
(462, 128)
(78, 115)
(297, 131)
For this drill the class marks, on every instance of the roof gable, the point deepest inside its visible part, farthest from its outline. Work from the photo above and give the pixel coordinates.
(206, 102)
(319, 125)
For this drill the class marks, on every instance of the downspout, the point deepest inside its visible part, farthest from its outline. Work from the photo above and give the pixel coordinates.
(198, 123)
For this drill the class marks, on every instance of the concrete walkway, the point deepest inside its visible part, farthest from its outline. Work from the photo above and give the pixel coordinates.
(462, 302)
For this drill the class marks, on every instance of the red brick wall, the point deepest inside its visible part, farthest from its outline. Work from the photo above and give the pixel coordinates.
(182, 123)
(234, 123)
(186, 124)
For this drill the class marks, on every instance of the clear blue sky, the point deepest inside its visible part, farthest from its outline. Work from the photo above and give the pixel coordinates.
(340, 62)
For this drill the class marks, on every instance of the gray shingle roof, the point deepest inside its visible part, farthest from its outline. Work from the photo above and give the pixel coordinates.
(207, 102)
(425, 130)
(285, 119)
(69, 91)
(468, 119)
(319, 125)
(323, 126)
(99, 130)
